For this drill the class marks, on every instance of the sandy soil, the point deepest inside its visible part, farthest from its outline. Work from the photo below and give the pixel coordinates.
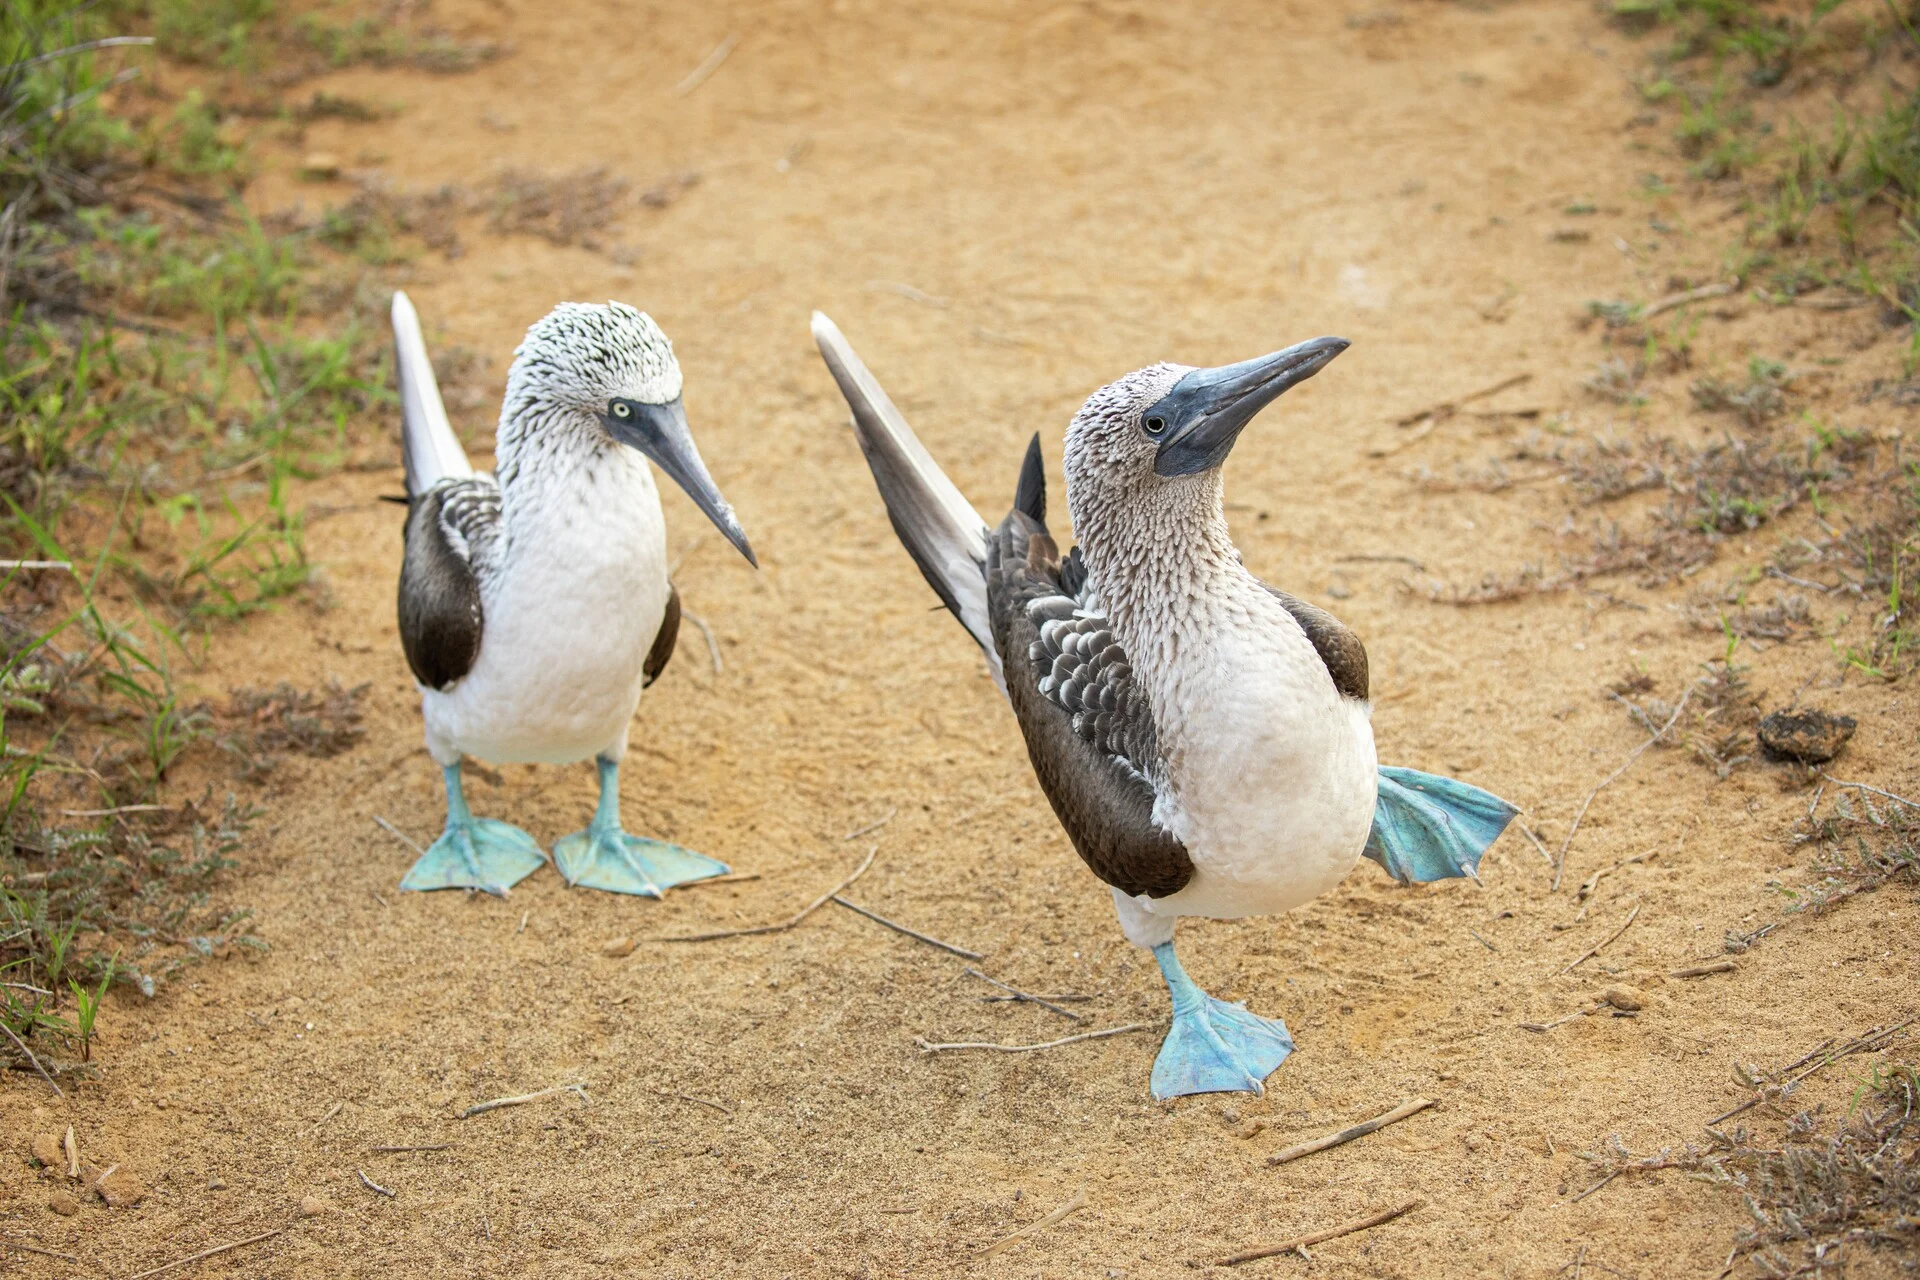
(1079, 190)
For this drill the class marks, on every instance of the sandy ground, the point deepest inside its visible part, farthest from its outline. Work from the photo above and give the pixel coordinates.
(1074, 192)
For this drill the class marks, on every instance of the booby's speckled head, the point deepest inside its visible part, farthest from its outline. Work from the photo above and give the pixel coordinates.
(610, 369)
(1169, 421)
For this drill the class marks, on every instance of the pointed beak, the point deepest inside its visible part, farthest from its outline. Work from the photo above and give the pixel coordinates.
(1206, 410)
(660, 431)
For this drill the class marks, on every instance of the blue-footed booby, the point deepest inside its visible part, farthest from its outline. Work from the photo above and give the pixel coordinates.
(534, 601)
(1204, 738)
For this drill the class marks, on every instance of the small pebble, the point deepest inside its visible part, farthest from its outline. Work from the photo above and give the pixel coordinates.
(1621, 996)
(63, 1203)
(313, 1207)
(215, 1184)
(1230, 1113)
(46, 1151)
(618, 947)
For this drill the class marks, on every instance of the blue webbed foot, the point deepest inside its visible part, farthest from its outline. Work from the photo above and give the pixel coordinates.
(1214, 1046)
(1426, 827)
(606, 857)
(609, 858)
(474, 853)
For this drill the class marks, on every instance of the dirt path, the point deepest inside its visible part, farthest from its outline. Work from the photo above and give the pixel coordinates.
(1003, 208)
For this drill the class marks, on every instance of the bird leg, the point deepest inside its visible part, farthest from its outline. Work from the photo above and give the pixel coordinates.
(606, 857)
(474, 853)
(1213, 1046)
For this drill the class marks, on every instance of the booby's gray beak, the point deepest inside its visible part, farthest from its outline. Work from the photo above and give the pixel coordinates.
(1198, 421)
(660, 431)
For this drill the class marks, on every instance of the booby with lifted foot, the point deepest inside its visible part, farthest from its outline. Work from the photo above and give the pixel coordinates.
(1204, 738)
(534, 601)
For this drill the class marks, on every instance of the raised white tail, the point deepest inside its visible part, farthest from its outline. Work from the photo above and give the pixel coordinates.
(432, 451)
(942, 532)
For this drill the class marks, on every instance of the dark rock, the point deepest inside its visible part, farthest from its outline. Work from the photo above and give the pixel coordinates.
(1811, 737)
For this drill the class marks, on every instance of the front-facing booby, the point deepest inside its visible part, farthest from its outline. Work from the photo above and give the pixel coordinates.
(534, 602)
(1204, 738)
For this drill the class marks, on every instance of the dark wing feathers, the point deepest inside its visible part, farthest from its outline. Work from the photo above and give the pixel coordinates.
(449, 528)
(1345, 657)
(663, 641)
(1088, 729)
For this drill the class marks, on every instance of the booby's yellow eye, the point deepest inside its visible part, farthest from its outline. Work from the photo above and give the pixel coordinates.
(620, 410)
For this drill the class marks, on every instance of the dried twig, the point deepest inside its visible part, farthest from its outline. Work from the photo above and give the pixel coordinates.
(911, 933)
(1560, 863)
(21, 1045)
(1382, 559)
(399, 835)
(373, 1186)
(1078, 1202)
(713, 646)
(1861, 786)
(1016, 993)
(1673, 300)
(332, 1111)
(1299, 1243)
(1595, 950)
(424, 1146)
(208, 1253)
(708, 65)
(519, 1098)
(790, 921)
(871, 827)
(1395, 1116)
(1534, 840)
(908, 292)
(1702, 970)
(925, 1047)
(1447, 408)
(73, 1155)
(45, 1253)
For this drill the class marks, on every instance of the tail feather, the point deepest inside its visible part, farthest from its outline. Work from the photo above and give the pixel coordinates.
(431, 449)
(1030, 497)
(942, 532)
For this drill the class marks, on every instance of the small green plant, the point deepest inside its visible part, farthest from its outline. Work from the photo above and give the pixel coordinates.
(86, 1006)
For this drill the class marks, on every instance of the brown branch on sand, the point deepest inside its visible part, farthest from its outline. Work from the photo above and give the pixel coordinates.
(207, 1253)
(926, 1047)
(520, 1098)
(423, 1146)
(1447, 408)
(1017, 994)
(1596, 949)
(783, 925)
(1702, 970)
(21, 1045)
(1299, 1243)
(45, 1253)
(1560, 863)
(398, 834)
(373, 1186)
(1395, 1116)
(1074, 1205)
(915, 934)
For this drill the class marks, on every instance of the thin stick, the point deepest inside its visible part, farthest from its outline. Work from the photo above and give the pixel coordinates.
(425, 1146)
(27, 986)
(1560, 864)
(45, 1253)
(783, 925)
(1591, 952)
(523, 921)
(37, 564)
(1861, 786)
(520, 1098)
(1701, 294)
(399, 835)
(1078, 1202)
(732, 878)
(208, 1253)
(1595, 1187)
(1023, 996)
(1534, 840)
(687, 1097)
(1482, 941)
(1395, 1116)
(713, 646)
(332, 1111)
(1016, 993)
(21, 1045)
(73, 1155)
(1702, 970)
(1382, 559)
(108, 813)
(371, 1185)
(708, 65)
(1447, 408)
(877, 918)
(1029, 1048)
(871, 827)
(1316, 1237)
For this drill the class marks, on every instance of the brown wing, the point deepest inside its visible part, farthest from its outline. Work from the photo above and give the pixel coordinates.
(1345, 657)
(1088, 728)
(663, 641)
